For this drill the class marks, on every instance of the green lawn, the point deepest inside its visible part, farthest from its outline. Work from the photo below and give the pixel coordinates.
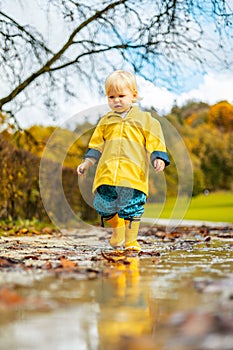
(213, 207)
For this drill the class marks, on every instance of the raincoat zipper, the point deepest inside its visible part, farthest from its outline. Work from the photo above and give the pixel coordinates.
(118, 152)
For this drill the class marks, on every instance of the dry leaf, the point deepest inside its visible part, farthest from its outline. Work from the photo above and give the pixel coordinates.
(10, 297)
(68, 264)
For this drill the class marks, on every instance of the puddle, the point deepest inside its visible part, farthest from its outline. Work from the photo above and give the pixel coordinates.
(179, 299)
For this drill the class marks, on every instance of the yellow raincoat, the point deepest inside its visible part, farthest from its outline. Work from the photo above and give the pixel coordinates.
(124, 146)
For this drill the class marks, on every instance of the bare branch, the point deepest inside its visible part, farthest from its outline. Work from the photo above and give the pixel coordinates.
(47, 66)
(23, 29)
(158, 39)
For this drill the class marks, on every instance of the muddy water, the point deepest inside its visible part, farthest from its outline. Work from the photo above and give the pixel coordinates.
(181, 298)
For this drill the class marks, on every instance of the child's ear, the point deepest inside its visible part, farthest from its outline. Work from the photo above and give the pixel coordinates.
(134, 99)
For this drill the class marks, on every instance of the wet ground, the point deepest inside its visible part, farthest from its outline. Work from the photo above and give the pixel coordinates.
(69, 290)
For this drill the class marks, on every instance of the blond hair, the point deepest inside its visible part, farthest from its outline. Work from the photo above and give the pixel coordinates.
(120, 79)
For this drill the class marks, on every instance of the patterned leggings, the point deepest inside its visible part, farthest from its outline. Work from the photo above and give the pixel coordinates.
(125, 201)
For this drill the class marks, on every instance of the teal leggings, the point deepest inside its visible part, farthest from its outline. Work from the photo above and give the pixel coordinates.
(125, 201)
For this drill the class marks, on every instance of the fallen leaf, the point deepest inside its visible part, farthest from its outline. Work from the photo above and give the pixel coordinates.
(150, 253)
(225, 235)
(23, 231)
(47, 230)
(160, 234)
(35, 232)
(108, 258)
(7, 262)
(33, 257)
(68, 264)
(48, 265)
(10, 297)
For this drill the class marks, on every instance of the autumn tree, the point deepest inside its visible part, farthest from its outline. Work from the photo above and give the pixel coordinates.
(215, 153)
(19, 186)
(209, 147)
(221, 116)
(157, 39)
(20, 192)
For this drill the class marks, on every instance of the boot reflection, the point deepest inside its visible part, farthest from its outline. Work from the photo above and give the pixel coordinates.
(127, 282)
(124, 310)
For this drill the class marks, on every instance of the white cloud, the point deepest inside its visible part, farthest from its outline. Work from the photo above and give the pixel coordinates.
(160, 98)
(213, 88)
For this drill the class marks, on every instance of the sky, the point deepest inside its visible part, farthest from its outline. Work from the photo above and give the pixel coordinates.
(210, 86)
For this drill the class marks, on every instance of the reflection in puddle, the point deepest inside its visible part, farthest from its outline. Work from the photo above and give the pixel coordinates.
(138, 303)
(74, 328)
(124, 306)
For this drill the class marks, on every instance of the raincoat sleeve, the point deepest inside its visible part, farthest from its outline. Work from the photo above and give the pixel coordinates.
(96, 143)
(155, 143)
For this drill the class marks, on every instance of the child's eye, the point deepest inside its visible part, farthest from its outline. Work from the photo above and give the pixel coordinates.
(110, 97)
(121, 96)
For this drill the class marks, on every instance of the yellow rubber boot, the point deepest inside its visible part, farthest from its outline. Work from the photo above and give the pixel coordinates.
(118, 234)
(131, 233)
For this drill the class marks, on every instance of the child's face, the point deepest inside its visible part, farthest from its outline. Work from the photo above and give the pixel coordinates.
(120, 101)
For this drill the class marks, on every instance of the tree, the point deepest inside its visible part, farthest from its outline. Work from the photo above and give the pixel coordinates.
(207, 133)
(157, 39)
(21, 193)
(221, 116)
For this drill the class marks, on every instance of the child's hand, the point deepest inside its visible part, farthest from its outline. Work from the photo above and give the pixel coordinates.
(82, 168)
(159, 165)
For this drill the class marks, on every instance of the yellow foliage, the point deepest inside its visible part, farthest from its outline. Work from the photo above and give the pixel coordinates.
(191, 119)
(221, 116)
(59, 143)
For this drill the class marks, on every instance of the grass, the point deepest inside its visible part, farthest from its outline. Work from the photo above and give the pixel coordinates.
(25, 227)
(213, 207)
